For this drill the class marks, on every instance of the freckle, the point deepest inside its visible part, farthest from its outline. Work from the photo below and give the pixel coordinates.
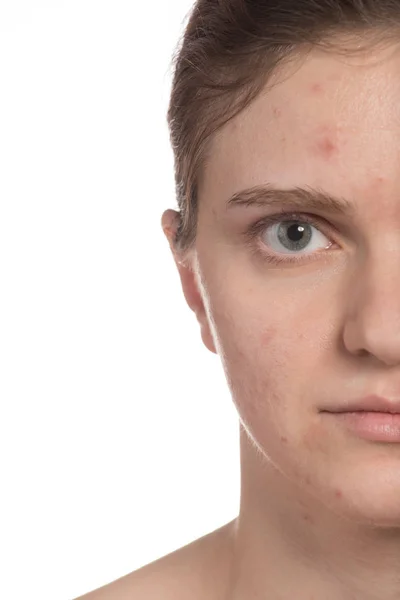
(284, 439)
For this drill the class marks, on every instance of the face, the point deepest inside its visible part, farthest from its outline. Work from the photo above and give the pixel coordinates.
(306, 315)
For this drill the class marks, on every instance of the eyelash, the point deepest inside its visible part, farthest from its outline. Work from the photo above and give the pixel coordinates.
(260, 226)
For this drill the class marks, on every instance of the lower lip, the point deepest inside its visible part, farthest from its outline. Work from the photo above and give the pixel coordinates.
(376, 426)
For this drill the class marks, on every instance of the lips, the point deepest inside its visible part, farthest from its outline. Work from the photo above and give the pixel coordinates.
(371, 403)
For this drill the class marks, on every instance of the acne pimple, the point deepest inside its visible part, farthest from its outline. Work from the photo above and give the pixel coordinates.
(267, 336)
(284, 439)
(378, 181)
(338, 494)
(277, 112)
(316, 88)
(323, 145)
(325, 148)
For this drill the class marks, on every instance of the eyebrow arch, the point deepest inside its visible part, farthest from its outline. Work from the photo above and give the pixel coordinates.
(298, 197)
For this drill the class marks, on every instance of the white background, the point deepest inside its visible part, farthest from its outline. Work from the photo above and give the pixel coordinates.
(118, 436)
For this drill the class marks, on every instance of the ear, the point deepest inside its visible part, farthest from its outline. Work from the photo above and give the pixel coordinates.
(169, 223)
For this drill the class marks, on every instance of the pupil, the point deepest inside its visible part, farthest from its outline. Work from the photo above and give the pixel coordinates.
(296, 232)
(295, 236)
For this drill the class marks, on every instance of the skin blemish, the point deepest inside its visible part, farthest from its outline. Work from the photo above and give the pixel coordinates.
(267, 336)
(284, 439)
(325, 148)
(324, 144)
(338, 494)
(317, 88)
(377, 182)
(277, 112)
(307, 518)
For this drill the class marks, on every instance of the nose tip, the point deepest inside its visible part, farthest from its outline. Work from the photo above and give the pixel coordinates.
(375, 335)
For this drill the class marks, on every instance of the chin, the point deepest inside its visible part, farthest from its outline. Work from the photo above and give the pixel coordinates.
(369, 499)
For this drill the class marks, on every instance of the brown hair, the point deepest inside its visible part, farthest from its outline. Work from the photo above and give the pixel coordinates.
(229, 50)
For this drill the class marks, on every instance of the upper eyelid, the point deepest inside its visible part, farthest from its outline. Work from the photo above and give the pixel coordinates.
(284, 215)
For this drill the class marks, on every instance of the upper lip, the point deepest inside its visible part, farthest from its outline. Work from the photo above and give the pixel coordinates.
(372, 403)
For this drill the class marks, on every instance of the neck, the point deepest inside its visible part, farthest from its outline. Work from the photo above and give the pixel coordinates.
(287, 544)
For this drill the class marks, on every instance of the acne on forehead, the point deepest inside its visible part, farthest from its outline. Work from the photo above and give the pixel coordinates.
(317, 88)
(324, 144)
(313, 129)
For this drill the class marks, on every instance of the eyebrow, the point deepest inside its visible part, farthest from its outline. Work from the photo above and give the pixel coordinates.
(297, 197)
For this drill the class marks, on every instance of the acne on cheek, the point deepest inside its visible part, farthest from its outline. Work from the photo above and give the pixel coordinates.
(267, 336)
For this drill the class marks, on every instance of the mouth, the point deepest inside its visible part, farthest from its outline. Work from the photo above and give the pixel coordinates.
(371, 403)
(371, 425)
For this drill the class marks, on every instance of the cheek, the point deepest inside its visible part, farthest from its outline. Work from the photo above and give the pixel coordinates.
(256, 363)
(268, 369)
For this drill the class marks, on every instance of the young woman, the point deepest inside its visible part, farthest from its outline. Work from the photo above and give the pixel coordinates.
(285, 124)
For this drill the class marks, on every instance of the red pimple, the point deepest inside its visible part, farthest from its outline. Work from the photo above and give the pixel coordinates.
(267, 336)
(338, 494)
(323, 144)
(326, 148)
(378, 181)
(317, 88)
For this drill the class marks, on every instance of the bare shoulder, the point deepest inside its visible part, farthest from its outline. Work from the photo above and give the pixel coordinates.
(199, 571)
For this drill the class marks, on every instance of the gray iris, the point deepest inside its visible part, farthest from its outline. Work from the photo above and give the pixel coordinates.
(299, 234)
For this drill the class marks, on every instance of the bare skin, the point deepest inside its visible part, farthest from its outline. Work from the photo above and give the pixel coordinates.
(319, 510)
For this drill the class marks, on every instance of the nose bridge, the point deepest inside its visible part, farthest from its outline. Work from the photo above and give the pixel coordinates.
(373, 325)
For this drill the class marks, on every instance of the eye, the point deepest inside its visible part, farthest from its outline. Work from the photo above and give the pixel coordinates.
(291, 237)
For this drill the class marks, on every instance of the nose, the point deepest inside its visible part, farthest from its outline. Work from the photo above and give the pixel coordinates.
(372, 323)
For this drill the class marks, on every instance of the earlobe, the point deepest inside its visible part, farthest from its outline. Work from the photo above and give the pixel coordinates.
(169, 222)
(207, 336)
(195, 302)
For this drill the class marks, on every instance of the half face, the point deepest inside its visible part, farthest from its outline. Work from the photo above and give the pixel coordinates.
(305, 310)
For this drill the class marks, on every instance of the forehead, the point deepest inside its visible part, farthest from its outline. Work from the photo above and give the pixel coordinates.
(332, 122)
